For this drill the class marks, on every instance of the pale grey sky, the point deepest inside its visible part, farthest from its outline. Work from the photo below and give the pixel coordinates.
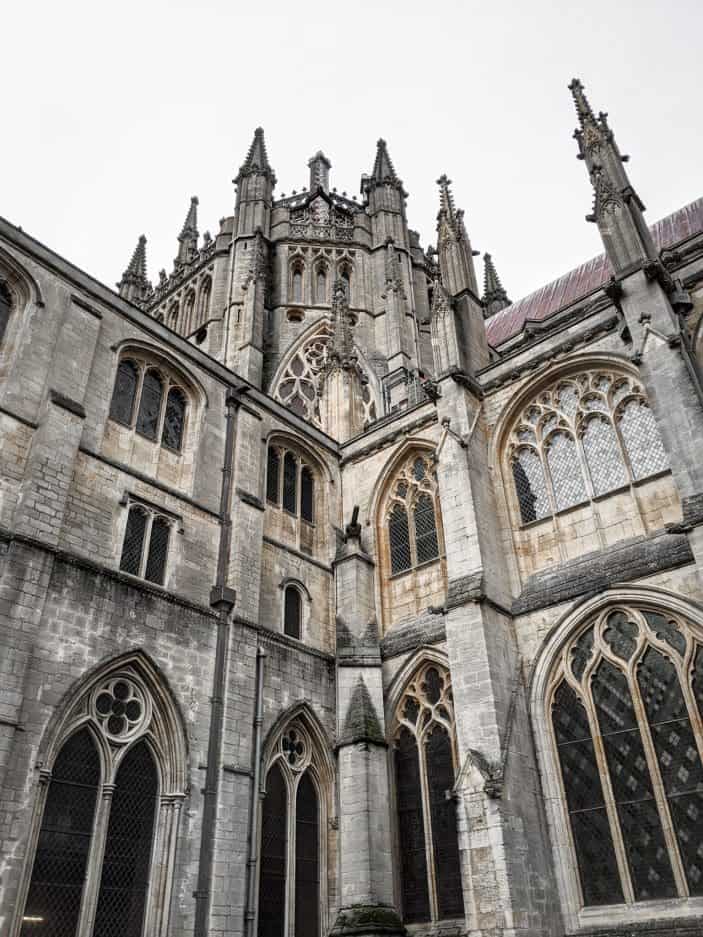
(115, 114)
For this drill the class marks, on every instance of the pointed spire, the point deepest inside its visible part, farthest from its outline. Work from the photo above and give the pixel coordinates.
(494, 296)
(454, 251)
(584, 111)
(383, 172)
(134, 285)
(190, 225)
(257, 160)
(446, 199)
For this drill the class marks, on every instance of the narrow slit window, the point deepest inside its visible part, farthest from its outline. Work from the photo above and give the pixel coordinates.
(307, 494)
(158, 550)
(292, 612)
(321, 287)
(399, 537)
(132, 547)
(290, 483)
(150, 405)
(273, 464)
(297, 285)
(125, 392)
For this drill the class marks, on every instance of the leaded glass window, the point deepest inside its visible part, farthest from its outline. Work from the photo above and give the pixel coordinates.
(273, 466)
(290, 483)
(307, 494)
(425, 773)
(626, 718)
(413, 494)
(125, 392)
(291, 841)
(292, 612)
(5, 308)
(92, 867)
(299, 386)
(146, 399)
(146, 542)
(581, 438)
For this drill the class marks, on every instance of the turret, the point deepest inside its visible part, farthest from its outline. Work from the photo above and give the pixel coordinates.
(134, 285)
(255, 183)
(494, 296)
(188, 238)
(385, 197)
(319, 167)
(617, 209)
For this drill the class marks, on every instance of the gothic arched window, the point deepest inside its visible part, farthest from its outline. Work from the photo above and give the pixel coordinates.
(100, 810)
(425, 770)
(292, 612)
(626, 710)
(5, 308)
(290, 483)
(413, 494)
(307, 494)
(204, 302)
(345, 276)
(581, 438)
(297, 283)
(148, 400)
(189, 313)
(145, 544)
(320, 286)
(273, 468)
(291, 842)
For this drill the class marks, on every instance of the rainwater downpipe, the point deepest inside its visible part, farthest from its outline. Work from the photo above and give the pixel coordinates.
(222, 599)
(253, 839)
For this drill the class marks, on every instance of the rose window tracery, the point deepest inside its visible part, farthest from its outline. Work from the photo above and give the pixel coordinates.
(295, 748)
(120, 708)
(582, 437)
(300, 385)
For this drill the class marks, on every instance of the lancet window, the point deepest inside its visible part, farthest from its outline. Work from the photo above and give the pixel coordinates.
(290, 483)
(292, 612)
(146, 543)
(583, 437)
(320, 285)
(299, 386)
(292, 847)
(204, 301)
(411, 515)
(296, 276)
(5, 308)
(146, 398)
(91, 870)
(425, 761)
(626, 707)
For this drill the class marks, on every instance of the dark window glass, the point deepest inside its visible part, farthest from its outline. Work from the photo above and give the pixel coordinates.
(122, 404)
(61, 858)
(297, 286)
(595, 855)
(411, 831)
(126, 866)
(158, 550)
(272, 878)
(679, 761)
(530, 486)
(425, 530)
(174, 419)
(290, 482)
(399, 538)
(272, 470)
(650, 868)
(5, 308)
(150, 405)
(307, 493)
(292, 612)
(307, 860)
(131, 559)
(440, 780)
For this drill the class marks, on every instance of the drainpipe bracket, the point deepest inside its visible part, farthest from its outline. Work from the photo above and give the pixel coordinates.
(222, 597)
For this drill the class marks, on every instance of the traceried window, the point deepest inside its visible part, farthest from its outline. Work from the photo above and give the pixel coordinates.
(145, 398)
(5, 308)
(583, 437)
(290, 482)
(411, 515)
(291, 843)
(299, 387)
(424, 754)
(626, 708)
(95, 843)
(146, 542)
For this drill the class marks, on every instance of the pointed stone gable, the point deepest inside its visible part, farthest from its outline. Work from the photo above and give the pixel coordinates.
(361, 723)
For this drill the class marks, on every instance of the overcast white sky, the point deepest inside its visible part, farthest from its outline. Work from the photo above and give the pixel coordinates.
(115, 114)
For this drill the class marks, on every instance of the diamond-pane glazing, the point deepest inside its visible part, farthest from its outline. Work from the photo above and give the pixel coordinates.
(642, 440)
(602, 451)
(399, 536)
(530, 486)
(565, 469)
(131, 559)
(425, 530)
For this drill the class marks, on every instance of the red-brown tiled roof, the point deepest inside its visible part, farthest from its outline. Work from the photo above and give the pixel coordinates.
(588, 277)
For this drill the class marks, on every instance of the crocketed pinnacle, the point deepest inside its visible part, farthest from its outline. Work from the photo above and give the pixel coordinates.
(383, 170)
(341, 346)
(257, 159)
(495, 297)
(134, 284)
(584, 111)
(137, 265)
(190, 225)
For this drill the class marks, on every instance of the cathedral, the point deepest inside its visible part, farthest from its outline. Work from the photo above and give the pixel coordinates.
(342, 595)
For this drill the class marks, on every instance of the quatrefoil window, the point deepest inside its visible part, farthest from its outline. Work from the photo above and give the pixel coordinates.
(295, 748)
(120, 708)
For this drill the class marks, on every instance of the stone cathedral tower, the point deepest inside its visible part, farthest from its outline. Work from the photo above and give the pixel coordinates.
(339, 596)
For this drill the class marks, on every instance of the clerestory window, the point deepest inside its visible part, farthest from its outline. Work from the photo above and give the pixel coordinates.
(581, 438)
(626, 711)
(147, 399)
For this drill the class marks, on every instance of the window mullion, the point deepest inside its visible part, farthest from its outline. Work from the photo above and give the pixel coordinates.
(91, 892)
(138, 394)
(609, 797)
(289, 927)
(162, 411)
(146, 543)
(410, 512)
(660, 797)
(427, 826)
